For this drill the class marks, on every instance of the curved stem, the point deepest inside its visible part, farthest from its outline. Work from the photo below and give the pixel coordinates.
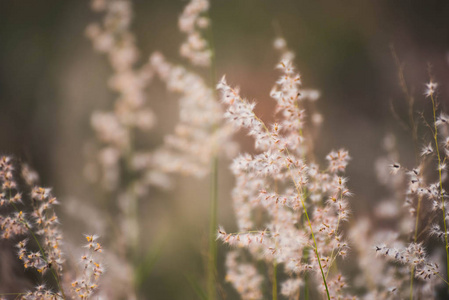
(311, 229)
(435, 136)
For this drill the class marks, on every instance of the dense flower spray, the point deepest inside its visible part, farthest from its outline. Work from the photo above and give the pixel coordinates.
(417, 207)
(190, 148)
(33, 216)
(115, 129)
(201, 135)
(301, 207)
(200, 130)
(123, 169)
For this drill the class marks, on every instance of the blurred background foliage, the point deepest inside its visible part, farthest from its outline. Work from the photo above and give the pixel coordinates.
(51, 80)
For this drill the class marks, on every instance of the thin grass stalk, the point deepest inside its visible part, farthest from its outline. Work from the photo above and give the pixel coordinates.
(443, 279)
(212, 261)
(318, 258)
(275, 282)
(301, 134)
(313, 235)
(414, 130)
(316, 250)
(435, 136)
(13, 294)
(311, 230)
(274, 288)
(412, 273)
(133, 249)
(213, 222)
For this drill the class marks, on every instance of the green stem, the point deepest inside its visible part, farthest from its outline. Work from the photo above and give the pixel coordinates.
(316, 251)
(275, 283)
(438, 275)
(132, 212)
(311, 231)
(212, 258)
(212, 262)
(441, 184)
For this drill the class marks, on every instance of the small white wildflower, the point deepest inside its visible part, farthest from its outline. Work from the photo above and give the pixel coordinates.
(395, 167)
(202, 22)
(426, 150)
(195, 48)
(430, 88)
(287, 67)
(317, 119)
(279, 44)
(446, 143)
(443, 119)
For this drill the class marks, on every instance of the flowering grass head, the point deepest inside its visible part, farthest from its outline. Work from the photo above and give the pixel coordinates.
(304, 206)
(28, 216)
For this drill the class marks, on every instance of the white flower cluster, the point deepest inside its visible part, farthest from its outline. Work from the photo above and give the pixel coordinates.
(115, 128)
(200, 133)
(36, 218)
(191, 22)
(406, 263)
(280, 183)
